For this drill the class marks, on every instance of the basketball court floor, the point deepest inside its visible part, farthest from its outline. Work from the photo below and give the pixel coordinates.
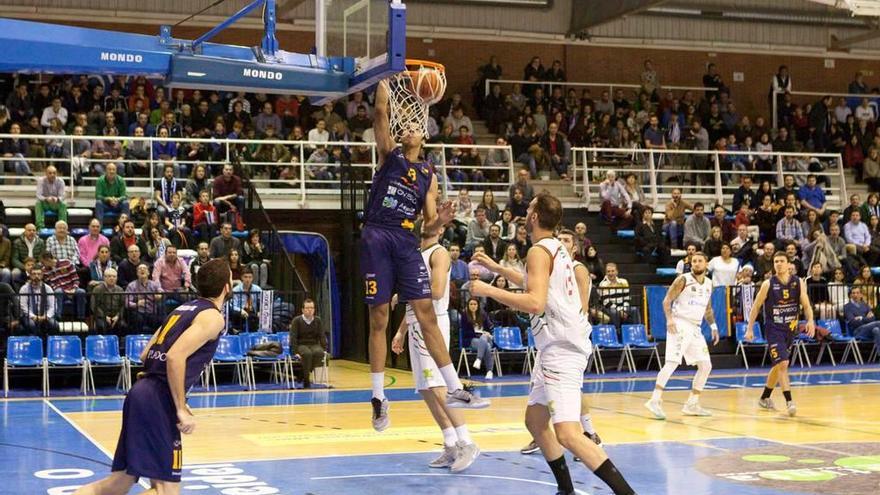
(320, 441)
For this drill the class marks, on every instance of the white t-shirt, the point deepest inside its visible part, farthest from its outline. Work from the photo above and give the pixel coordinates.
(723, 273)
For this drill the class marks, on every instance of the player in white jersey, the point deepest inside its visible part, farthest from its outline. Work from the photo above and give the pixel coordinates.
(585, 285)
(459, 450)
(687, 302)
(559, 326)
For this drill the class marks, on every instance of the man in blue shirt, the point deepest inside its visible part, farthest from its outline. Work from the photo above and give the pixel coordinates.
(812, 196)
(459, 269)
(244, 307)
(856, 232)
(860, 319)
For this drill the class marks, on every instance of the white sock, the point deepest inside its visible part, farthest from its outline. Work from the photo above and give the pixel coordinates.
(464, 436)
(450, 376)
(378, 380)
(662, 377)
(587, 423)
(693, 398)
(449, 436)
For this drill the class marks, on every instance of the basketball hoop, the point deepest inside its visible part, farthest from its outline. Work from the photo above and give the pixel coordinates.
(411, 93)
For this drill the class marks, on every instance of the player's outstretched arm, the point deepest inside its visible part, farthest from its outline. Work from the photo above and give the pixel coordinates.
(673, 292)
(756, 308)
(808, 311)
(382, 124)
(206, 327)
(513, 276)
(539, 262)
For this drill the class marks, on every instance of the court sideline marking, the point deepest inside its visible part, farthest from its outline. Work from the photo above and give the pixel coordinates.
(144, 483)
(377, 475)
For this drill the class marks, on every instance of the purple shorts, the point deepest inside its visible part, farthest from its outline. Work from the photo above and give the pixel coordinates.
(780, 340)
(391, 263)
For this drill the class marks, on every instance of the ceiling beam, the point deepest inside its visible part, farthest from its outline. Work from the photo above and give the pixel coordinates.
(590, 13)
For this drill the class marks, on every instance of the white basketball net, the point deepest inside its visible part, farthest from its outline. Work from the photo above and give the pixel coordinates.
(409, 111)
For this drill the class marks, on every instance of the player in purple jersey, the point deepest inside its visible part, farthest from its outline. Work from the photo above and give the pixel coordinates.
(403, 187)
(155, 412)
(779, 297)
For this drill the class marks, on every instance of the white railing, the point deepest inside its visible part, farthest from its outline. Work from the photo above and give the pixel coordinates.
(303, 180)
(653, 166)
(817, 94)
(610, 86)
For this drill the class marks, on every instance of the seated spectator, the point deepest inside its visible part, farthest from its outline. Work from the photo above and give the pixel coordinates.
(684, 264)
(764, 261)
(615, 297)
(649, 240)
(744, 194)
(697, 227)
(865, 280)
(119, 246)
(175, 224)
(860, 317)
(712, 247)
(507, 225)
(225, 242)
(871, 208)
(164, 189)
(171, 272)
(788, 229)
(99, 264)
(674, 219)
(228, 193)
(110, 193)
(724, 267)
(5, 259)
(234, 259)
(90, 243)
(741, 245)
(812, 197)
(308, 340)
(458, 269)
(197, 182)
(493, 245)
(127, 268)
(558, 150)
(616, 203)
(812, 223)
(50, 197)
(476, 328)
(143, 300)
(203, 256)
(478, 229)
(205, 219)
(594, 263)
(16, 149)
(522, 182)
(63, 246)
(518, 206)
(765, 219)
(484, 274)
(856, 233)
(512, 260)
(61, 275)
(108, 303)
(244, 307)
(37, 304)
(256, 258)
(817, 290)
(871, 169)
(464, 214)
(719, 219)
(27, 246)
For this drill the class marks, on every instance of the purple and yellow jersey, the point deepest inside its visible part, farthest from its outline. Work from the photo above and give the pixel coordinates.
(398, 193)
(175, 324)
(782, 306)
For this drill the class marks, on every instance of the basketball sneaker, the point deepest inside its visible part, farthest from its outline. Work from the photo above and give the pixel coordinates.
(791, 408)
(531, 448)
(656, 408)
(694, 409)
(767, 404)
(381, 421)
(446, 458)
(467, 454)
(465, 399)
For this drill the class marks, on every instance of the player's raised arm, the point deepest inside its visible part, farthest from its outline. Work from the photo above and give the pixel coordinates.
(756, 308)
(206, 327)
(673, 292)
(534, 298)
(808, 311)
(382, 124)
(512, 275)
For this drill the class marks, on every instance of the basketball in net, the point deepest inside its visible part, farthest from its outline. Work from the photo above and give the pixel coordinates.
(411, 93)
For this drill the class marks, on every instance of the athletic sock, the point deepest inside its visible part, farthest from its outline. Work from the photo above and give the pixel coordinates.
(608, 473)
(463, 434)
(378, 380)
(693, 398)
(587, 423)
(563, 477)
(767, 392)
(449, 437)
(450, 376)
(787, 395)
(662, 377)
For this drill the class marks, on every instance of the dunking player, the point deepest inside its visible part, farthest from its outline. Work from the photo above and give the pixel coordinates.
(459, 451)
(585, 285)
(687, 302)
(560, 326)
(155, 413)
(402, 187)
(779, 298)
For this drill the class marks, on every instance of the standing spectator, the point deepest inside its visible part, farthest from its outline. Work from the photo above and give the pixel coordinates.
(228, 193)
(820, 122)
(225, 242)
(110, 194)
(858, 85)
(108, 304)
(614, 294)
(143, 300)
(724, 267)
(697, 227)
(476, 328)
(871, 170)
(649, 239)
(860, 318)
(37, 303)
(655, 137)
(650, 81)
(50, 197)
(856, 232)
(616, 203)
(712, 79)
(308, 341)
(62, 246)
(256, 258)
(245, 304)
(674, 218)
(90, 243)
(62, 277)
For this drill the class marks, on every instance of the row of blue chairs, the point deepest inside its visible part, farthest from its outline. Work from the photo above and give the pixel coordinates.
(802, 342)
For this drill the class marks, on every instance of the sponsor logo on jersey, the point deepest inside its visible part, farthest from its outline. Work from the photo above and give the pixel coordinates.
(389, 202)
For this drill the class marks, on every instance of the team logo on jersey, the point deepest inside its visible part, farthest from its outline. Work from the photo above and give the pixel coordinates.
(411, 173)
(389, 202)
(407, 224)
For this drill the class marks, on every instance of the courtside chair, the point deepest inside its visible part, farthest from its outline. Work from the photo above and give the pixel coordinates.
(508, 340)
(837, 337)
(463, 355)
(252, 339)
(635, 338)
(866, 340)
(24, 352)
(230, 351)
(531, 353)
(102, 351)
(801, 341)
(66, 351)
(758, 341)
(134, 347)
(604, 338)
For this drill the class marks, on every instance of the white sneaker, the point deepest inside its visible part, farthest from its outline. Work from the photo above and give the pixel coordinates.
(381, 421)
(467, 454)
(694, 409)
(463, 399)
(446, 459)
(766, 404)
(791, 408)
(477, 364)
(489, 375)
(656, 408)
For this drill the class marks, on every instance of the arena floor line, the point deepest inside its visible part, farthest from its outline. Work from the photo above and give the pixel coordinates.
(319, 442)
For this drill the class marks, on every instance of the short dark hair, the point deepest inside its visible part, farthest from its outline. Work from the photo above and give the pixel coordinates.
(699, 205)
(700, 253)
(780, 253)
(567, 231)
(212, 277)
(308, 300)
(549, 210)
(246, 270)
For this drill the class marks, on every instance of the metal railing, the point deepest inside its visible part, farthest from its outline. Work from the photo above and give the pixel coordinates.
(610, 86)
(652, 166)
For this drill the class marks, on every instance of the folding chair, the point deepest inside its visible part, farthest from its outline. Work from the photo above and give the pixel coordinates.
(508, 340)
(758, 341)
(24, 352)
(230, 352)
(134, 347)
(635, 337)
(102, 351)
(604, 337)
(874, 350)
(463, 355)
(837, 337)
(801, 341)
(531, 353)
(65, 351)
(278, 362)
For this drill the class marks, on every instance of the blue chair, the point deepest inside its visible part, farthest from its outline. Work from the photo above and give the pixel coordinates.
(230, 351)
(626, 234)
(79, 232)
(241, 234)
(635, 338)
(46, 232)
(758, 341)
(65, 351)
(531, 353)
(463, 355)
(508, 340)
(801, 341)
(874, 350)
(604, 338)
(665, 271)
(108, 232)
(24, 352)
(252, 339)
(102, 351)
(134, 347)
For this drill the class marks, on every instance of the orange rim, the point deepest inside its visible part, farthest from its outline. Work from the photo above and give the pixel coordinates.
(413, 65)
